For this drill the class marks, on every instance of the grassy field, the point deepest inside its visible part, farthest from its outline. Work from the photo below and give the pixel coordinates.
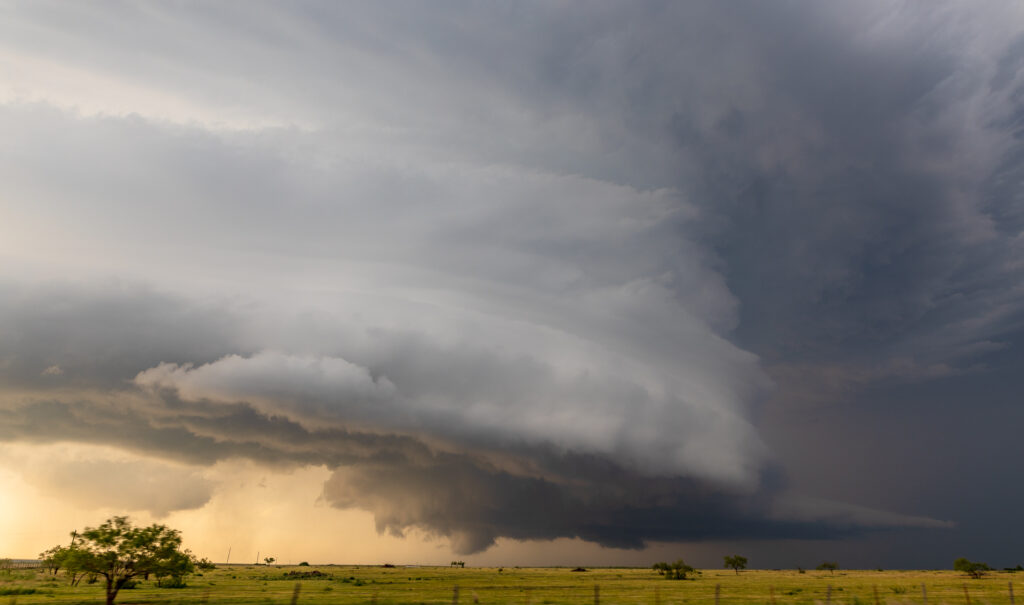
(522, 586)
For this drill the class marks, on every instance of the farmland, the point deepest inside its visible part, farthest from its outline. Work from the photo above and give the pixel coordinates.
(241, 584)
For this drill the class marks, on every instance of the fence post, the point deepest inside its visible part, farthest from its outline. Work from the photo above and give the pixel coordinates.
(875, 589)
(455, 595)
(828, 594)
(295, 593)
(924, 594)
(597, 595)
(967, 595)
(771, 594)
(718, 592)
(1010, 586)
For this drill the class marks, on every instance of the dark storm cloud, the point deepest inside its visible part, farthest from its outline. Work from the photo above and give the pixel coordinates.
(473, 504)
(860, 208)
(460, 484)
(470, 498)
(444, 241)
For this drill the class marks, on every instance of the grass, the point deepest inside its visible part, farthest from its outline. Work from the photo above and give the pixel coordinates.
(237, 585)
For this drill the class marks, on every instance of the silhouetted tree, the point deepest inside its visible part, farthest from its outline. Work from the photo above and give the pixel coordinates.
(735, 563)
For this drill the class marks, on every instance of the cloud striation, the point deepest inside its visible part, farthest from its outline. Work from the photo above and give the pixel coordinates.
(527, 271)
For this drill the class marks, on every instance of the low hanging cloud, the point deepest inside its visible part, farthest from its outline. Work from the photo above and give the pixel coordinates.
(476, 398)
(471, 497)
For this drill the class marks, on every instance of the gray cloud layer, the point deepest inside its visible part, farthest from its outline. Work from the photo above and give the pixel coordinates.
(494, 254)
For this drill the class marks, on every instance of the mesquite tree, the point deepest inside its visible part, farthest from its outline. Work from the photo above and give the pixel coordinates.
(120, 552)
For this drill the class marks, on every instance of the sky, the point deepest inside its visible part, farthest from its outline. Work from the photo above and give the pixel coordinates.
(531, 283)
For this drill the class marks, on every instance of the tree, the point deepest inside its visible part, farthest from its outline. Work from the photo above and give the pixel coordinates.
(975, 569)
(673, 571)
(831, 566)
(64, 557)
(53, 558)
(735, 563)
(119, 552)
(269, 560)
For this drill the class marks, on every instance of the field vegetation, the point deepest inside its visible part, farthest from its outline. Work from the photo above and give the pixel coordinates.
(242, 584)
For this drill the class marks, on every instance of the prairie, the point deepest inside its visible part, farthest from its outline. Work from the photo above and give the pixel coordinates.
(242, 584)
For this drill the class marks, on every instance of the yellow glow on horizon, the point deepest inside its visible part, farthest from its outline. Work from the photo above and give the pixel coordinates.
(254, 510)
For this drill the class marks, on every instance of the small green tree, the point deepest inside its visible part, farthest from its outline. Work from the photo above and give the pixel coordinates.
(66, 558)
(975, 569)
(269, 560)
(205, 564)
(53, 558)
(830, 566)
(673, 571)
(119, 552)
(735, 563)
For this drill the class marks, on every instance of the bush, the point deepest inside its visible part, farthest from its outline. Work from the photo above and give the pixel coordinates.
(205, 564)
(304, 564)
(172, 582)
(975, 569)
(673, 571)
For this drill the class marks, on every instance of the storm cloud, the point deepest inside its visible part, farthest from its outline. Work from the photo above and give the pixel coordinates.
(533, 271)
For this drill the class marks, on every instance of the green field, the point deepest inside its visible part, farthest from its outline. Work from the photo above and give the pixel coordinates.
(521, 586)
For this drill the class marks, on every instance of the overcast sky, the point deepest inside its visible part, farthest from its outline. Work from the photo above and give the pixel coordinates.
(521, 283)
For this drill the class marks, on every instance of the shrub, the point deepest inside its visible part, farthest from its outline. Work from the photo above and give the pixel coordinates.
(673, 571)
(975, 569)
(304, 564)
(172, 582)
(205, 564)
